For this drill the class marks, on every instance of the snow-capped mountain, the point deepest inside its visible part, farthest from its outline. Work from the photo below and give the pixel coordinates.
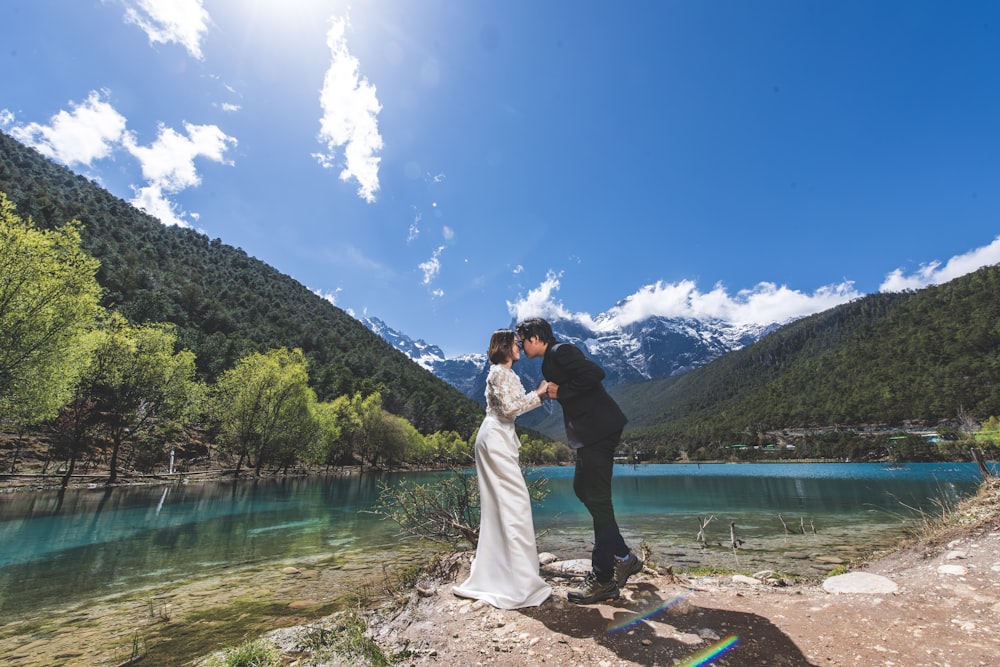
(653, 348)
(460, 372)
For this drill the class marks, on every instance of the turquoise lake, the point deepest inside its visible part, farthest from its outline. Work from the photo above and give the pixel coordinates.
(56, 550)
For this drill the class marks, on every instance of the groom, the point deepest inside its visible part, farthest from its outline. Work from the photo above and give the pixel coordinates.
(594, 424)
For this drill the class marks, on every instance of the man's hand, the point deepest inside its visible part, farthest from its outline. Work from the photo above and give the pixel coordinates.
(552, 391)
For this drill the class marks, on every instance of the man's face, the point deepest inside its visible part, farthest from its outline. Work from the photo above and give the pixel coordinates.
(533, 347)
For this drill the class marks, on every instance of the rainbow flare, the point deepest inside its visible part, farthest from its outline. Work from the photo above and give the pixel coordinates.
(710, 653)
(702, 657)
(629, 622)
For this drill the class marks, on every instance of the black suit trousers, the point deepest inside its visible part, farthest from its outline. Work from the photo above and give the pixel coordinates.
(592, 485)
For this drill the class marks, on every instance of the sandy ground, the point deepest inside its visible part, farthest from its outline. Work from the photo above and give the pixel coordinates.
(934, 602)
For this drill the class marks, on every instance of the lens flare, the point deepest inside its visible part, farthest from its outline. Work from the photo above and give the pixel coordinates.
(642, 616)
(702, 657)
(710, 653)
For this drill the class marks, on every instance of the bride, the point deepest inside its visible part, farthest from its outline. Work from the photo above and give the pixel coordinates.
(505, 569)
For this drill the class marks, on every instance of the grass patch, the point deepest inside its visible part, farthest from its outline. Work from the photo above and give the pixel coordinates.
(340, 639)
(348, 639)
(256, 653)
(178, 642)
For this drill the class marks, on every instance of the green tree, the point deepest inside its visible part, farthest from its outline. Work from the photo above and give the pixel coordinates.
(260, 401)
(450, 447)
(397, 441)
(138, 381)
(48, 302)
(327, 447)
(366, 426)
(71, 432)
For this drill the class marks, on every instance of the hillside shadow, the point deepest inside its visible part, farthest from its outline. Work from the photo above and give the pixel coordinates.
(655, 629)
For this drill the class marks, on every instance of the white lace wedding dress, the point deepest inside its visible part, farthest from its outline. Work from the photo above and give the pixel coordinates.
(505, 569)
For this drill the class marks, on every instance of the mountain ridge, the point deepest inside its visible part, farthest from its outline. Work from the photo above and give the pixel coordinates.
(224, 303)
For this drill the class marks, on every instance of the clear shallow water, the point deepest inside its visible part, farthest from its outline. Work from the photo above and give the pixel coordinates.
(56, 549)
(845, 510)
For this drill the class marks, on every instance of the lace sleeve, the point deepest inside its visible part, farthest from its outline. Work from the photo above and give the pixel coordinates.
(506, 396)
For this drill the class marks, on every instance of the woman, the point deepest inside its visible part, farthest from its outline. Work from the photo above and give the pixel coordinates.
(505, 569)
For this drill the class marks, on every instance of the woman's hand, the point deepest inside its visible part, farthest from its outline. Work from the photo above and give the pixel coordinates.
(542, 389)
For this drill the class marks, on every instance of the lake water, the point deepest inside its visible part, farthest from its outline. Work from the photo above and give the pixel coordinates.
(60, 550)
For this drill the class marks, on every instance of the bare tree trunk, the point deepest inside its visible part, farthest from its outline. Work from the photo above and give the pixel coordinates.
(977, 456)
(69, 470)
(116, 443)
(734, 541)
(701, 529)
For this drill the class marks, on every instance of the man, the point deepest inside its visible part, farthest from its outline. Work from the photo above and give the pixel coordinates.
(594, 424)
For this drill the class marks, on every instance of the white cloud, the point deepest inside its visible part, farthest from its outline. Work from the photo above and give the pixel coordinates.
(766, 303)
(414, 228)
(432, 267)
(350, 117)
(184, 22)
(88, 131)
(539, 302)
(93, 130)
(933, 273)
(328, 296)
(6, 118)
(168, 166)
(152, 200)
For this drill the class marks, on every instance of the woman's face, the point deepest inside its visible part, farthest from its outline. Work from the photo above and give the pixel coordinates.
(515, 353)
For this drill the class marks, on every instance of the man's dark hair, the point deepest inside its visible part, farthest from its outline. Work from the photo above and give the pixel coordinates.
(536, 327)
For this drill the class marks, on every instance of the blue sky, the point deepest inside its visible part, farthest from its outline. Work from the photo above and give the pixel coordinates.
(446, 166)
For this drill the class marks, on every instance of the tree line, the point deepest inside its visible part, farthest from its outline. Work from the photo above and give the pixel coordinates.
(104, 387)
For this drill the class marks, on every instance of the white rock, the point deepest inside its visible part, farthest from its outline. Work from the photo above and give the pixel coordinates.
(859, 582)
(580, 566)
(955, 555)
(959, 570)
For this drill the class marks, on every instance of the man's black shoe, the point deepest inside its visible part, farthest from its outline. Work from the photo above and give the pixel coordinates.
(593, 591)
(626, 567)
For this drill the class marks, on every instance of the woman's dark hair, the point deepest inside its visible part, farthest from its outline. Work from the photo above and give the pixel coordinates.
(501, 343)
(536, 327)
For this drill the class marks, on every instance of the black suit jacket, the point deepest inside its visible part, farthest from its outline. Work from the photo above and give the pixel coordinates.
(589, 413)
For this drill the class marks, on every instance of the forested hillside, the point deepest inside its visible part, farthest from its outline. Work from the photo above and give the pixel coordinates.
(888, 359)
(224, 303)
